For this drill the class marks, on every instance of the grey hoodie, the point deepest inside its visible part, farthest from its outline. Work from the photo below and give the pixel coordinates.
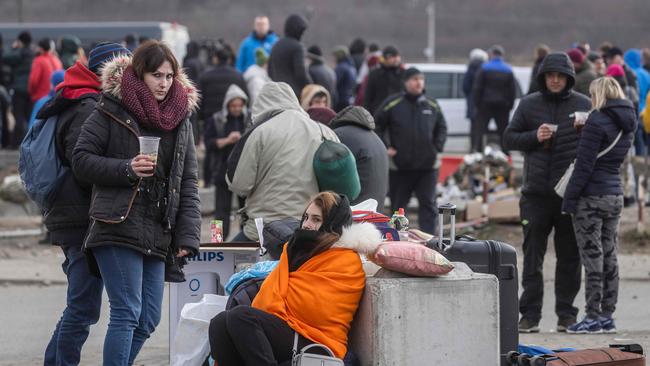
(355, 127)
(272, 165)
(233, 92)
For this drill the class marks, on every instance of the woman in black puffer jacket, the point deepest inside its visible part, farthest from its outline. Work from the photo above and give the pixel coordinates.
(594, 196)
(142, 209)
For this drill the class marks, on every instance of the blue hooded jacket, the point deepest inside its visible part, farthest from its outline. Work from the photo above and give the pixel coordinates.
(248, 46)
(633, 60)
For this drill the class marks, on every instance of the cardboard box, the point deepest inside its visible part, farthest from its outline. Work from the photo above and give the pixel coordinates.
(506, 194)
(473, 210)
(507, 210)
(207, 273)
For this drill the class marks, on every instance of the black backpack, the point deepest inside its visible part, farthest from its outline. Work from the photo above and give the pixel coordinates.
(244, 293)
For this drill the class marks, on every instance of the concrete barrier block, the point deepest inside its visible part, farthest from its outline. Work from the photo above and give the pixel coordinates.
(414, 321)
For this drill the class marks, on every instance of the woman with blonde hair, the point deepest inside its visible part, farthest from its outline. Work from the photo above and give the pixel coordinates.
(594, 197)
(311, 295)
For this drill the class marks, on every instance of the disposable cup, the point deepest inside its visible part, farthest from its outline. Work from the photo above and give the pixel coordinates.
(581, 117)
(149, 146)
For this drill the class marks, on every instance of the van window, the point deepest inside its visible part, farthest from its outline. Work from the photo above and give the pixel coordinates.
(439, 85)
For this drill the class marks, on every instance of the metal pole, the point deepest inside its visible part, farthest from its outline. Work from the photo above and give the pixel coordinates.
(431, 33)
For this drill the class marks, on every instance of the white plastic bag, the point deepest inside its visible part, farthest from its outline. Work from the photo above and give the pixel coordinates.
(367, 205)
(191, 346)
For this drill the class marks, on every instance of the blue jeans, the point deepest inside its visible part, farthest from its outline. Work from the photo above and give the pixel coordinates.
(134, 284)
(84, 301)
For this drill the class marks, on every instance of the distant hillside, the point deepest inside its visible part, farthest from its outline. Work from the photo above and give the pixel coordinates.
(460, 24)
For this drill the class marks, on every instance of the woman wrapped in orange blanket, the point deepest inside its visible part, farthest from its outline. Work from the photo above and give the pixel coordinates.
(314, 291)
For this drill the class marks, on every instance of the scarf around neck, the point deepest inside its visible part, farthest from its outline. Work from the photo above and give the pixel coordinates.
(140, 101)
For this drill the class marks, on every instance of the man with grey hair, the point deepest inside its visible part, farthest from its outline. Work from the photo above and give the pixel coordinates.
(476, 59)
(261, 37)
(493, 93)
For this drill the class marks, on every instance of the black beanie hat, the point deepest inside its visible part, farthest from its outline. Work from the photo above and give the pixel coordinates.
(411, 72)
(390, 51)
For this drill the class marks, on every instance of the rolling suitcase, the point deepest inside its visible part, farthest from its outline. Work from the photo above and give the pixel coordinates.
(615, 355)
(485, 256)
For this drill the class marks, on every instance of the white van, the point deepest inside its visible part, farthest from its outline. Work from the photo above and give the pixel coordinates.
(444, 82)
(90, 33)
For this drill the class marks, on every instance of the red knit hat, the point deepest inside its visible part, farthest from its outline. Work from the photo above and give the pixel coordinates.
(615, 70)
(576, 56)
(321, 114)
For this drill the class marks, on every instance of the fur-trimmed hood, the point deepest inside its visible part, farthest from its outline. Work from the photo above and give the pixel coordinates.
(363, 238)
(112, 72)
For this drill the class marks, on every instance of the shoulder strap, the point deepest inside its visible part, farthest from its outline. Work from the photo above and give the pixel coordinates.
(295, 345)
(610, 147)
(322, 136)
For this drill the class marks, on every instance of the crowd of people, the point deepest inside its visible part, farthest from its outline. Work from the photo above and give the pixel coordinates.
(124, 219)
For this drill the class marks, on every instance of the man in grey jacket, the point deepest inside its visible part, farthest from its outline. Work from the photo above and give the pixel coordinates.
(355, 127)
(272, 165)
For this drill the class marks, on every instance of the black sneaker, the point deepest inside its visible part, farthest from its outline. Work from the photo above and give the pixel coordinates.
(528, 326)
(564, 323)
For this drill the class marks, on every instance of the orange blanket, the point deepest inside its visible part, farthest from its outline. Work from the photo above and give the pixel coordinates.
(319, 299)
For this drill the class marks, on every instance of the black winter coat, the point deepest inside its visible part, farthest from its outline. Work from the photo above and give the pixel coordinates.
(592, 176)
(494, 85)
(217, 127)
(534, 84)
(346, 82)
(355, 128)
(468, 84)
(415, 127)
(106, 145)
(287, 59)
(324, 76)
(543, 168)
(67, 220)
(382, 83)
(214, 84)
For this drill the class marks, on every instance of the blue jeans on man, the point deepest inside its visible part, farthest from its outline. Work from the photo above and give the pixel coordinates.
(84, 300)
(134, 284)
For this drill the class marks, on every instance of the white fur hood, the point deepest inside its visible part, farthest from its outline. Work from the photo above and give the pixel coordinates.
(363, 238)
(113, 71)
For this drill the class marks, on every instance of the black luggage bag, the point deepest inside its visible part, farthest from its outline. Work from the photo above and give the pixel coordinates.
(485, 256)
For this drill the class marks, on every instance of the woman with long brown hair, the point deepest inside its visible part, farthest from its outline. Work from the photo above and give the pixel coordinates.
(143, 208)
(313, 292)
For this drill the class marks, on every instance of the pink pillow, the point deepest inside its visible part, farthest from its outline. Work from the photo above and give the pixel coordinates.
(412, 259)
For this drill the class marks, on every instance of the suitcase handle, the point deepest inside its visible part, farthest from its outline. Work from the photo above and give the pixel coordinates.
(448, 209)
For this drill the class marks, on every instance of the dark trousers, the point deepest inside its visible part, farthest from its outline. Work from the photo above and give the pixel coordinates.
(208, 171)
(5, 136)
(223, 206)
(484, 114)
(423, 182)
(84, 301)
(539, 215)
(248, 336)
(22, 109)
